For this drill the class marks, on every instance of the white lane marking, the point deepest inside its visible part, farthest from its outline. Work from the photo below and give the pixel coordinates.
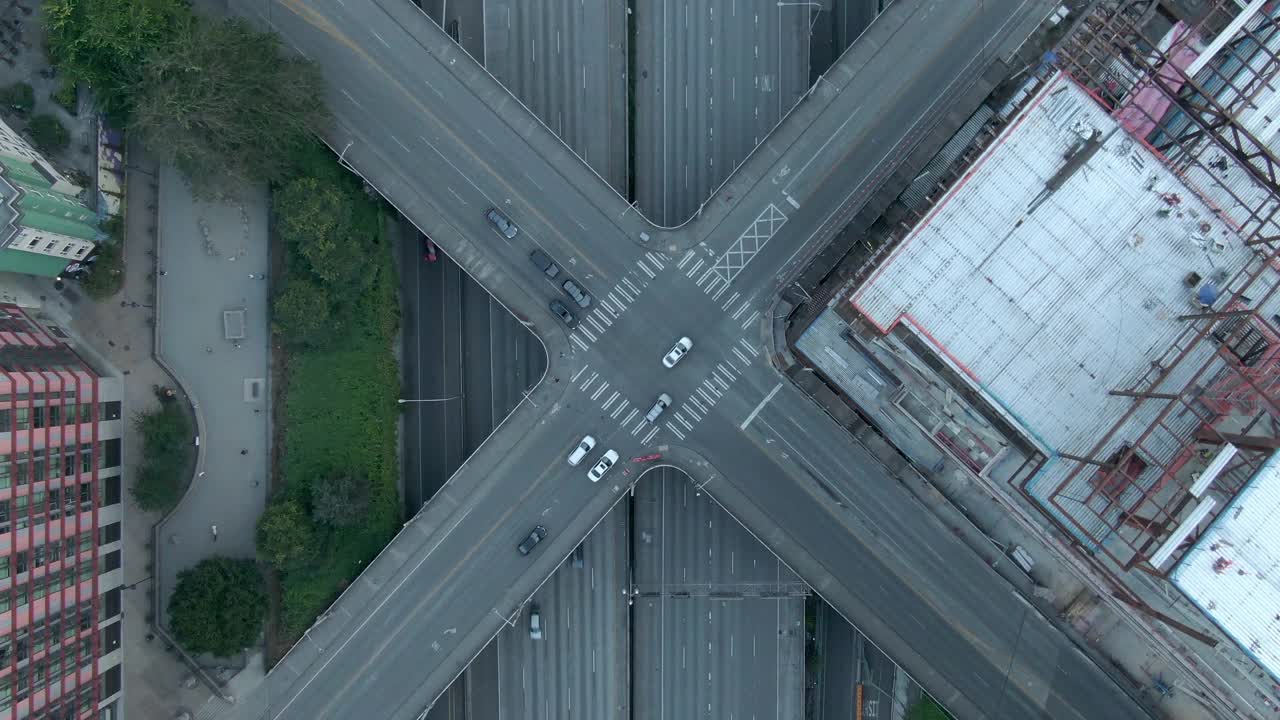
(586, 384)
(694, 399)
(609, 403)
(623, 293)
(587, 332)
(694, 270)
(599, 328)
(602, 317)
(684, 422)
(760, 407)
(750, 320)
(606, 306)
(385, 599)
(630, 415)
(646, 269)
(709, 273)
(579, 373)
(723, 385)
(747, 345)
(711, 388)
(745, 305)
(628, 283)
(650, 434)
(655, 260)
(621, 306)
(621, 406)
(599, 391)
(578, 340)
(384, 42)
(729, 302)
(674, 431)
(687, 257)
(741, 357)
(640, 425)
(725, 370)
(397, 141)
(720, 292)
(696, 417)
(709, 400)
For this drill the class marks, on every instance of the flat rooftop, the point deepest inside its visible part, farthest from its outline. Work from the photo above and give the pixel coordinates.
(1231, 573)
(1048, 281)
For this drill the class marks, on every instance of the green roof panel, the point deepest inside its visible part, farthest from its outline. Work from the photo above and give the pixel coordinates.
(29, 263)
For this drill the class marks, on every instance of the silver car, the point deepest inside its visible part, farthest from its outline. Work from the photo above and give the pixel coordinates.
(677, 352)
(606, 461)
(581, 451)
(501, 222)
(664, 402)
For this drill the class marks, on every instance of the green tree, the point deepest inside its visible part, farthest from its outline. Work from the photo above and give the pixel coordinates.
(315, 218)
(105, 43)
(166, 457)
(340, 500)
(286, 537)
(301, 313)
(218, 606)
(19, 96)
(227, 106)
(49, 134)
(107, 276)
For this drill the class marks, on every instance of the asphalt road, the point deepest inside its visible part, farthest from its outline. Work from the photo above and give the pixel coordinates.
(567, 60)
(579, 668)
(715, 77)
(717, 620)
(753, 442)
(839, 675)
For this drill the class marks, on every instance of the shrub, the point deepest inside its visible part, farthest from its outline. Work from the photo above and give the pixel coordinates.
(107, 275)
(286, 537)
(167, 453)
(340, 500)
(48, 134)
(65, 95)
(218, 606)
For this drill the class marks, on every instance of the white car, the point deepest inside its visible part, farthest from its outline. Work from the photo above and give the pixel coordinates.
(682, 346)
(602, 467)
(581, 451)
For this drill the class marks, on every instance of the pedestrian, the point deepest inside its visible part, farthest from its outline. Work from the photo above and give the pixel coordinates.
(214, 530)
(244, 451)
(163, 273)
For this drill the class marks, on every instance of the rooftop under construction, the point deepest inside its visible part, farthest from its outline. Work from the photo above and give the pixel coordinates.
(1089, 308)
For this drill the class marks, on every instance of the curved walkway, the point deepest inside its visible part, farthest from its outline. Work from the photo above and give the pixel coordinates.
(212, 260)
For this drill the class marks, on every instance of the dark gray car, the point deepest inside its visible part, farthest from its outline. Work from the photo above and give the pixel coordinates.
(579, 295)
(535, 537)
(562, 312)
(544, 263)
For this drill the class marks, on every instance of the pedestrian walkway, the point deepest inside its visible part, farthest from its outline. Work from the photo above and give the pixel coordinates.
(213, 330)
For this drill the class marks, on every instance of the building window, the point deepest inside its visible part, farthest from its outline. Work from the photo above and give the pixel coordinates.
(23, 420)
(6, 420)
(109, 454)
(55, 415)
(37, 416)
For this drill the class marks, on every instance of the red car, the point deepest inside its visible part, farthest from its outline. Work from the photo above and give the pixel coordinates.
(428, 249)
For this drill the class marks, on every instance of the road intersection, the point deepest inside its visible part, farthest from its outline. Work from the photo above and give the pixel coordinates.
(443, 141)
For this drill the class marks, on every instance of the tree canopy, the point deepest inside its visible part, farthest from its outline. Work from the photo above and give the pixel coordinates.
(104, 43)
(218, 606)
(315, 218)
(227, 105)
(286, 537)
(340, 500)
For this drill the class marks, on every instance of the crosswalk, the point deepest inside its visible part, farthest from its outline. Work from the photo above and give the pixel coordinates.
(714, 386)
(613, 303)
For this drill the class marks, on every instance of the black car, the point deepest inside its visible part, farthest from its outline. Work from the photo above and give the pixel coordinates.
(535, 537)
(563, 313)
(578, 294)
(544, 263)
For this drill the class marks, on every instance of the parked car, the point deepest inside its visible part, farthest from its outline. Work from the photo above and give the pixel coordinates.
(501, 222)
(428, 249)
(535, 536)
(677, 352)
(606, 461)
(578, 294)
(563, 313)
(581, 450)
(664, 402)
(535, 622)
(544, 263)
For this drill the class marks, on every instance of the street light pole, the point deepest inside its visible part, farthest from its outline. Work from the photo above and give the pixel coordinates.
(427, 400)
